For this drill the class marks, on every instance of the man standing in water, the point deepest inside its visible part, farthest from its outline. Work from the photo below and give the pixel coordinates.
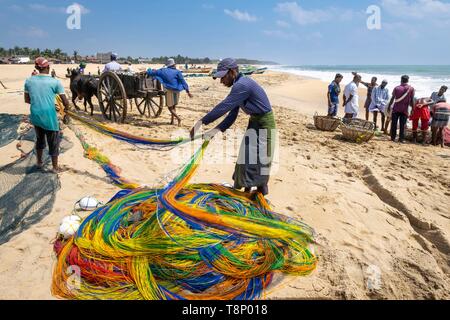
(257, 149)
(40, 92)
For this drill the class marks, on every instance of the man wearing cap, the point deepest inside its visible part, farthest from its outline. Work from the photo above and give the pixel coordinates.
(256, 152)
(113, 65)
(402, 99)
(379, 101)
(82, 67)
(40, 92)
(173, 81)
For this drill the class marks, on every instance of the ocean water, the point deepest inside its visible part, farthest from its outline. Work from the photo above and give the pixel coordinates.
(425, 79)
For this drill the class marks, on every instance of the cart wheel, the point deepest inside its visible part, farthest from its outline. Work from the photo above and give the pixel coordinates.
(162, 94)
(112, 97)
(146, 106)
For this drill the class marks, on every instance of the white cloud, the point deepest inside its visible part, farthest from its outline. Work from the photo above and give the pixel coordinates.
(283, 24)
(418, 9)
(241, 16)
(304, 17)
(42, 8)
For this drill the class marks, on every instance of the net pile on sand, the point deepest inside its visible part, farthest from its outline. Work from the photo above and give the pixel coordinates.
(181, 241)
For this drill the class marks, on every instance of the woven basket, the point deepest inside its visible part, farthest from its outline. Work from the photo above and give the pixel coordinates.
(326, 123)
(358, 130)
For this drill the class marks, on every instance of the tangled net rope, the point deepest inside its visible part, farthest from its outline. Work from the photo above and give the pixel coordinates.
(200, 241)
(126, 137)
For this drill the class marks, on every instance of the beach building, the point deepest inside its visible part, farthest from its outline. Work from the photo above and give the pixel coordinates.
(20, 60)
(104, 57)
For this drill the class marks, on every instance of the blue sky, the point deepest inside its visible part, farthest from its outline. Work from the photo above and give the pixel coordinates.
(289, 32)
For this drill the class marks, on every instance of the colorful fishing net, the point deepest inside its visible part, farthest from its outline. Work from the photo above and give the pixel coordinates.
(201, 241)
(126, 137)
(110, 169)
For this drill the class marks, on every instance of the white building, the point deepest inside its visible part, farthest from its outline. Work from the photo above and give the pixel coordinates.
(21, 60)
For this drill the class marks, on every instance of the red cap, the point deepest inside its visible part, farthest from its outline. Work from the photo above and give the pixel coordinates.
(41, 62)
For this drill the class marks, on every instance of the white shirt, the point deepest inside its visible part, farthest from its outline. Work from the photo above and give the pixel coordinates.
(112, 66)
(352, 90)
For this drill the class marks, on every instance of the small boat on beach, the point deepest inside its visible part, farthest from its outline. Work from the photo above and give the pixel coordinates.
(260, 71)
(197, 70)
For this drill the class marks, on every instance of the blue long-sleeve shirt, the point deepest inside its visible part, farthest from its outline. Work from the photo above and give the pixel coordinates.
(245, 94)
(170, 78)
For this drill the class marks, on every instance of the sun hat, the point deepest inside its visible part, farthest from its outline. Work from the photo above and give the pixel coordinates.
(170, 62)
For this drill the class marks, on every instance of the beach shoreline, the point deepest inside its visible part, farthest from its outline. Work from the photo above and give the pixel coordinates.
(369, 204)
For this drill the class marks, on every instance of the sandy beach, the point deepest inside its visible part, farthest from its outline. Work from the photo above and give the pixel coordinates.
(376, 207)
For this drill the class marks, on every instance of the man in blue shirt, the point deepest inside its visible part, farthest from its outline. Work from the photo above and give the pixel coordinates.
(334, 90)
(173, 82)
(255, 158)
(40, 92)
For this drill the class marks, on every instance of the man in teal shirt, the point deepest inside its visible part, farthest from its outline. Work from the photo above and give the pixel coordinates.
(40, 93)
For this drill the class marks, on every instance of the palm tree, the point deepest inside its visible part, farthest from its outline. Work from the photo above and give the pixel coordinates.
(57, 53)
(47, 53)
(16, 51)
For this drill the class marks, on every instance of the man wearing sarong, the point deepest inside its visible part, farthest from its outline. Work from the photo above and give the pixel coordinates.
(378, 102)
(351, 98)
(440, 122)
(257, 149)
(173, 82)
(438, 96)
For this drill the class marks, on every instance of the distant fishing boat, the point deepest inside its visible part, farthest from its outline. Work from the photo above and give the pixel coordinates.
(198, 70)
(260, 71)
(247, 70)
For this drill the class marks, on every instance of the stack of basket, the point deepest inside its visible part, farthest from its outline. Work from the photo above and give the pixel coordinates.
(326, 123)
(358, 130)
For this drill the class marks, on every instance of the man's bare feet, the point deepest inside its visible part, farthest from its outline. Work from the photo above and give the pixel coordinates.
(58, 170)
